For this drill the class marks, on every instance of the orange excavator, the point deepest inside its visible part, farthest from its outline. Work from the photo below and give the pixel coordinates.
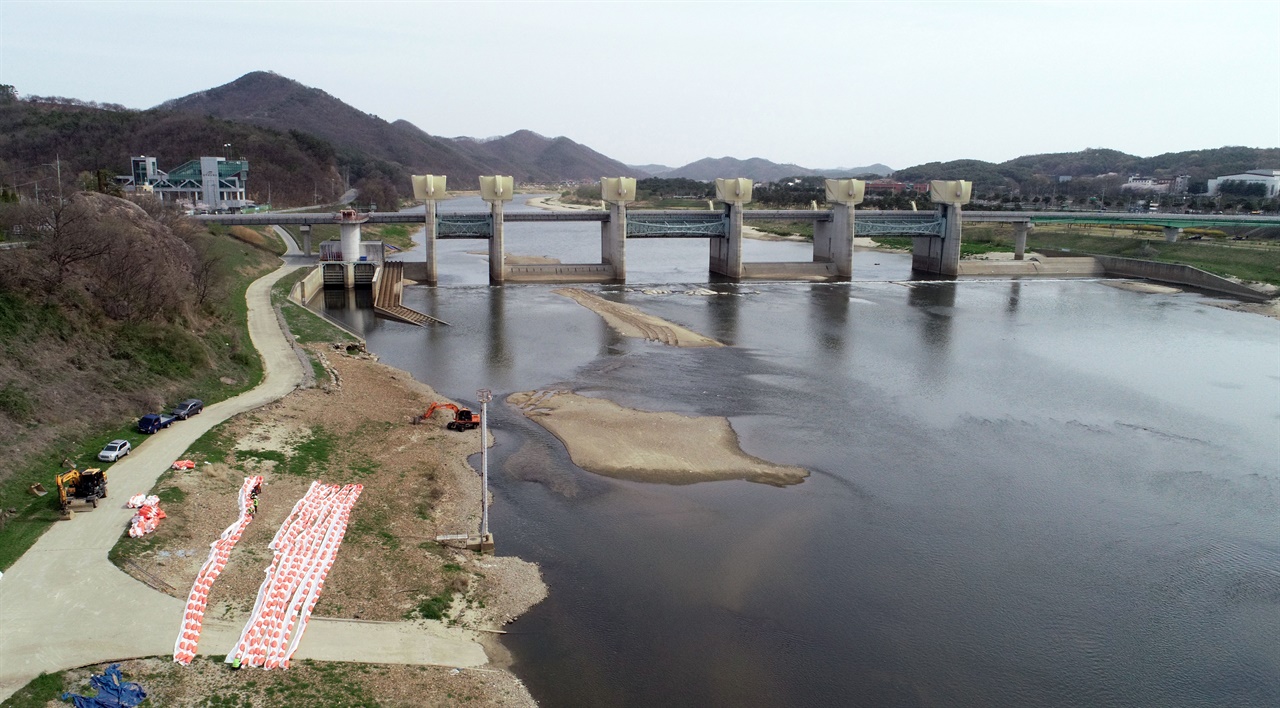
(463, 418)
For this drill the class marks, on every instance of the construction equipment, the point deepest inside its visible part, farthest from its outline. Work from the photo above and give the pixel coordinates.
(87, 486)
(463, 418)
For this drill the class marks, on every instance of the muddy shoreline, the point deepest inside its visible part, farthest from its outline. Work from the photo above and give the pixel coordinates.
(418, 485)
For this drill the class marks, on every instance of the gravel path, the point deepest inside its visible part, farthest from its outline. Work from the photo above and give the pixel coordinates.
(63, 604)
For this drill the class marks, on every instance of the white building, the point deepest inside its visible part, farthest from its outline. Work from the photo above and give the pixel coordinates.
(1269, 178)
(1158, 185)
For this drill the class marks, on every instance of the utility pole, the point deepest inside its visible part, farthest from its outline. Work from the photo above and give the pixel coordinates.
(485, 395)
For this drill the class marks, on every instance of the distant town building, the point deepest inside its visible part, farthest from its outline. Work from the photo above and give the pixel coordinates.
(1158, 185)
(1270, 179)
(889, 186)
(208, 184)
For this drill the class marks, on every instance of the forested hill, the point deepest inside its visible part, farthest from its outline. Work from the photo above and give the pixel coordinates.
(362, 139)
(762, 170)
(85, 139)
(1029, 171)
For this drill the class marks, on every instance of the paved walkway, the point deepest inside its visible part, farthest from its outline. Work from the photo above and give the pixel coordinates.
(64, 605)
(290, 246)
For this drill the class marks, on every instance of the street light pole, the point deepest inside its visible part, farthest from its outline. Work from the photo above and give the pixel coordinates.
(485, 395)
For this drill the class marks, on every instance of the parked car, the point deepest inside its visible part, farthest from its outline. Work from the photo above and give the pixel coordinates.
(114, 450)
(188, 408)
(154, 422)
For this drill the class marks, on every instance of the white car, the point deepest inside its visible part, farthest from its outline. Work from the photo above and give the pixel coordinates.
(115, 450)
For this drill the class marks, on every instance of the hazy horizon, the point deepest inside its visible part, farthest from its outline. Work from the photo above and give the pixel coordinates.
(820, 85)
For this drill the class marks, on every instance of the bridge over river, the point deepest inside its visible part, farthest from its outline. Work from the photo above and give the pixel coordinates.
(936, 234)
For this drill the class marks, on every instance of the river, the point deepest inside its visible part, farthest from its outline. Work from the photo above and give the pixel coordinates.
(1026, 492)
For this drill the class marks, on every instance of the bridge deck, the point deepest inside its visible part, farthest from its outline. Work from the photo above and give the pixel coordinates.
(1038, 217)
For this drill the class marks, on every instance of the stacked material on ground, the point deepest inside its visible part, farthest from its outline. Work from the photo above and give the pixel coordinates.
(138, 501)
(184, 649)
(147, 518)
(305, 548)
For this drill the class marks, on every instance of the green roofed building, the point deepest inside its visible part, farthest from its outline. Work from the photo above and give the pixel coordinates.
(209, 184)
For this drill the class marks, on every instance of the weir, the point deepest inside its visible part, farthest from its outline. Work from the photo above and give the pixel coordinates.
(936, 235)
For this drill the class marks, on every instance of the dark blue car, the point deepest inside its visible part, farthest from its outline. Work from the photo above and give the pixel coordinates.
(154, 422)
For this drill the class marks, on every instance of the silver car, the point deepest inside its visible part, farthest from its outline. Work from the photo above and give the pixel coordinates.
(115, 450)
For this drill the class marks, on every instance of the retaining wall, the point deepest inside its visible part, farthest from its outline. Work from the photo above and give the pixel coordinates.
(1178, 274)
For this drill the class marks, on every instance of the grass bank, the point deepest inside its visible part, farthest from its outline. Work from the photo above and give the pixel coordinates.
(218, 364)
(398, 235)
(1250, 260)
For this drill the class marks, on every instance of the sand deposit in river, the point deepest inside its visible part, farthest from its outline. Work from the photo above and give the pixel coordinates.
(631, 322)
(607, 439)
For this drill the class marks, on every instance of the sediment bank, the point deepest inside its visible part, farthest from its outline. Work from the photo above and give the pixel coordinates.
(607, 439)
(631, 322)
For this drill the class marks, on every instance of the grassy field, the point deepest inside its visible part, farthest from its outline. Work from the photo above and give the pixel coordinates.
(1249, 261)
(1256, 261)
(306, 326)
(165, 353)
(398, 235)
(783, 228)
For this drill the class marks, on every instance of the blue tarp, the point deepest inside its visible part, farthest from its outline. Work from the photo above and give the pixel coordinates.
(113, 692)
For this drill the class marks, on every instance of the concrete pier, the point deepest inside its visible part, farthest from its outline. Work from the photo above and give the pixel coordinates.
(1171, 234)
(497, 190)
(726, 252)
(616, 192)
(497, 247)
(1020, 230)
(833, 239)
(431, 273)
(430, 189)
(941, 256)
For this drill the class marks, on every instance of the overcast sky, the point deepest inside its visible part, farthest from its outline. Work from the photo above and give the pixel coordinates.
(818, 84)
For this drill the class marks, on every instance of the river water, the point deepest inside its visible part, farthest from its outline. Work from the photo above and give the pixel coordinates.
(1023, 493)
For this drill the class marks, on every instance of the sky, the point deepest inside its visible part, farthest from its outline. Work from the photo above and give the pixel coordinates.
(821, 84)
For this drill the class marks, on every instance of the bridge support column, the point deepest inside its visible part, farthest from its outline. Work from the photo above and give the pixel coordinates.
(497, 247)
(941, 256)
(726, 253)
(1020, 230)
(613, 241)
(496, 190)
(615, 192)
(429, 188)
(429, 239)
(833, 240)
(305, 229)
(1171, 234)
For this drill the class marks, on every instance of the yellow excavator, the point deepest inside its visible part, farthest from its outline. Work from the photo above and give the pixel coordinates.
(463, 418)
(86, 486)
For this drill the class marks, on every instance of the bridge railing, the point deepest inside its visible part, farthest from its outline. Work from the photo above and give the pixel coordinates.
(906, 224)
(677, 225)
(464, 226)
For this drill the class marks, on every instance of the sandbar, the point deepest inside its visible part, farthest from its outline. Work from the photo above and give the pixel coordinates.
(631, 322)
(514, 259)
(644, 446)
